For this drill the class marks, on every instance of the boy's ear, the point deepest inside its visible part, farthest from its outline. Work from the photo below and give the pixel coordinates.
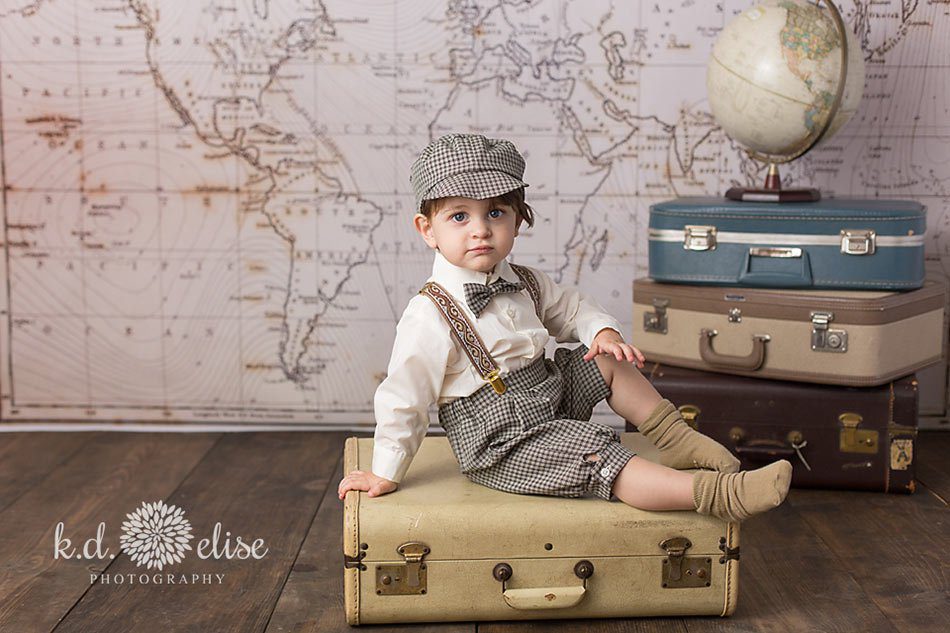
(424, 227)
(518, 224)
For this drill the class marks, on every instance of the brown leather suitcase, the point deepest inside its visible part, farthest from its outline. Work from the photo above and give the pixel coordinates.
(852, 438)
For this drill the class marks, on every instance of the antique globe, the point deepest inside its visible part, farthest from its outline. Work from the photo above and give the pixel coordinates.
(783, 76)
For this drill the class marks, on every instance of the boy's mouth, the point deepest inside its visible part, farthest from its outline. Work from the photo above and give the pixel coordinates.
(480, 249)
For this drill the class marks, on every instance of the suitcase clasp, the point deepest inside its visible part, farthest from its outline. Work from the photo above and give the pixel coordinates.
(690, 412)
(699, 237)
(405, 579)
(656, 321)
(853, 440)
(680, 570)
(858, 242)
(825, 339)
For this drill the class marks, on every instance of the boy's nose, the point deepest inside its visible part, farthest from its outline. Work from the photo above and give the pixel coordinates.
(480, 228)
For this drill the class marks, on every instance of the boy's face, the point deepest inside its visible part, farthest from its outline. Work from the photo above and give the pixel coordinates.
(473, 234)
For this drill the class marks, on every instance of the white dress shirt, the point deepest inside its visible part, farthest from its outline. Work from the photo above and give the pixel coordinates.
(429, 366)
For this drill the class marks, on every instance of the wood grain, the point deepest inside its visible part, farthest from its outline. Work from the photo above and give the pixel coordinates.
(790, 580)
(257, 485)
(933, 462)
(890, 546)
(111, 476)
(26, 458)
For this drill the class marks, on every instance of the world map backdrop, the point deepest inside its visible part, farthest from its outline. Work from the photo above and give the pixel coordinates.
(207, 214)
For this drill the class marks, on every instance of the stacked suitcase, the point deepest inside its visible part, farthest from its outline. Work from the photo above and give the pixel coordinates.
(794, 330)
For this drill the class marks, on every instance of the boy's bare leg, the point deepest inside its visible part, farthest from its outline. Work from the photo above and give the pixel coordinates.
(648, 486)
(634, 399)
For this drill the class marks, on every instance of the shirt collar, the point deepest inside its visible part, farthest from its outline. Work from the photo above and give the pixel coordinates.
(453, 278)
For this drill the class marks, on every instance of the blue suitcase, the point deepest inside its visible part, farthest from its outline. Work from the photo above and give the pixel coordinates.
(834, 243)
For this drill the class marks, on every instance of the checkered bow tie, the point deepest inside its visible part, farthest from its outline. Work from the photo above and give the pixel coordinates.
(477, 296)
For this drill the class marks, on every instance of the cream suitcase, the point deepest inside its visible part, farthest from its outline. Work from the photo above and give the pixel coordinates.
(839, 337)
(442, 548)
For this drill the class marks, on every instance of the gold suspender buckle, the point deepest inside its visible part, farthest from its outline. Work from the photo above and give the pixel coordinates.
(496, 382)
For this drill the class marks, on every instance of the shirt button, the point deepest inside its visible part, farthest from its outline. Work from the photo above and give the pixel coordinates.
(511, 313)
(604, 472)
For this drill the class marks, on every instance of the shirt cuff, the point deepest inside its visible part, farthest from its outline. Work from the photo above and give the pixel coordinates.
(390, 464)
(588, 331)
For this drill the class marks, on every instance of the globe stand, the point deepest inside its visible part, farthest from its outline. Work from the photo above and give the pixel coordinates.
(772, 191)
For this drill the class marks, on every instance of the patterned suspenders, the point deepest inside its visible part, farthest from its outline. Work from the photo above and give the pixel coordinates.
(464, 331)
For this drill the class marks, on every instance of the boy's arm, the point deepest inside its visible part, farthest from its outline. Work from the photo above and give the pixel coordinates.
(570, 315)
(422, 351)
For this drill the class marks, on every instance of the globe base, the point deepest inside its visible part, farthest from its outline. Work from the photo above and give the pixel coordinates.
(746, 194)
(772, 191)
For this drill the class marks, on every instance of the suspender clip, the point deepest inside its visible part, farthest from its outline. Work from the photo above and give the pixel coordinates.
(496, 382)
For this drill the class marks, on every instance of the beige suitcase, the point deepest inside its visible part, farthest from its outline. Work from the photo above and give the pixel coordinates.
(442, 548)
(840, 337)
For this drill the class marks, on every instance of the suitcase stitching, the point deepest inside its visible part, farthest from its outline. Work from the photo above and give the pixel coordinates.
(789, 217)
(835, 281)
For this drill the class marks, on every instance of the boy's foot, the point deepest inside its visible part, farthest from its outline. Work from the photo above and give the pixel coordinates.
(682, 447)
(737, 496)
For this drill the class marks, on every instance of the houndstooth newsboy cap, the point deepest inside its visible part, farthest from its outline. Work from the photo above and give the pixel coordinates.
(466, 165)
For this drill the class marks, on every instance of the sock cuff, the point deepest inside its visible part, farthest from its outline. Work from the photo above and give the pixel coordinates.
(704, 490)
(662, 410)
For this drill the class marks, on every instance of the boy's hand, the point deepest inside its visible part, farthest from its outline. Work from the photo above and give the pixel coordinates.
(367, 482)
(609, 341)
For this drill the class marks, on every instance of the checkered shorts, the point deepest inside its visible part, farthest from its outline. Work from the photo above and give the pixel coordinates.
(533, 439)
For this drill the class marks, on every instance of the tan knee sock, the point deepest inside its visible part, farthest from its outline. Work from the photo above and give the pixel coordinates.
(737, 496)
(682, 447)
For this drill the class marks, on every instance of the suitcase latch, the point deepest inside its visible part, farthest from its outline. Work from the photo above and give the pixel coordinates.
(699, 238)
(825, 339)
(690, 412)
(854, 440)
(404, 579)
(680, 570)
(858, 242)
(656, 321)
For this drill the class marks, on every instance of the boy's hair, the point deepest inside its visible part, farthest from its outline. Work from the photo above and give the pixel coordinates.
(513, 199)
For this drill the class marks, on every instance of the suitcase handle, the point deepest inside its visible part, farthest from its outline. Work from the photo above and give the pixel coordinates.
(753, 361)
(544, 597)
(798, 277)
(769, 450)
(533, 598)
(764, 453)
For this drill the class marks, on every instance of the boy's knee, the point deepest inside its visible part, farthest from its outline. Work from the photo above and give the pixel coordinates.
(607, 365)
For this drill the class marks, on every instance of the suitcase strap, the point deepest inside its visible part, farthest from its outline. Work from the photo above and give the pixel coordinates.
(464, 332)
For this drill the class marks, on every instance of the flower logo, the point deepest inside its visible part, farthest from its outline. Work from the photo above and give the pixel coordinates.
(156, 535)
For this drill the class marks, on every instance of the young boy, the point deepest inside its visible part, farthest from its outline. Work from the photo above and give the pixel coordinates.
(473, 341)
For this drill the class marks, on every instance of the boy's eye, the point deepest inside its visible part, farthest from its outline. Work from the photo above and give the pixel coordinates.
(458, 217)
(496, 213)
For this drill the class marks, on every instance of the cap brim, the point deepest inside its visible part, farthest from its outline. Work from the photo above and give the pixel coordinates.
(475, 185)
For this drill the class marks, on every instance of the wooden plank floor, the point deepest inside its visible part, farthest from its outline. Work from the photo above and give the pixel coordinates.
(824, 561)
